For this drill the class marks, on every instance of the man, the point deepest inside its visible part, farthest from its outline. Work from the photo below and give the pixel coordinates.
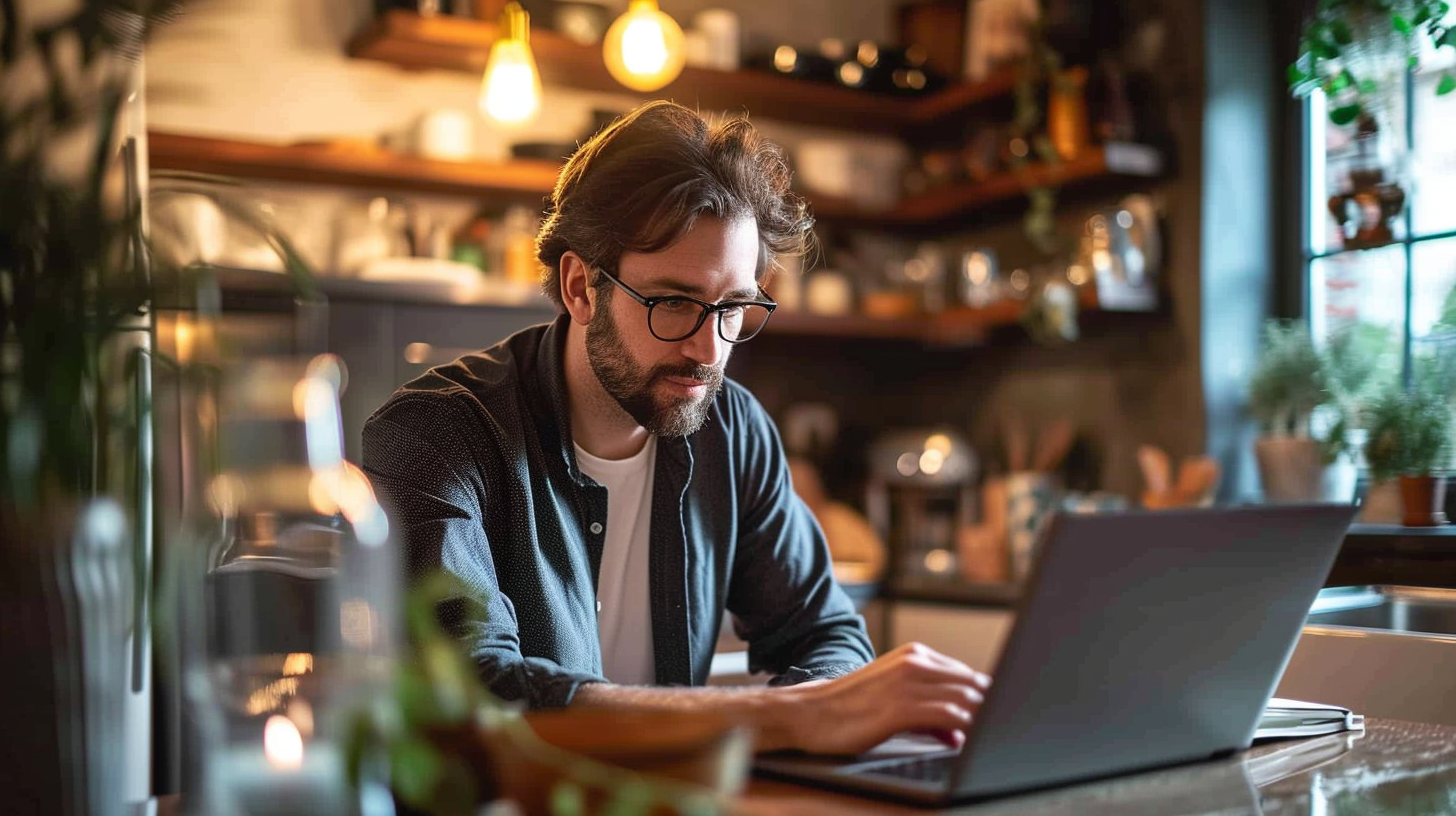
(610, 494)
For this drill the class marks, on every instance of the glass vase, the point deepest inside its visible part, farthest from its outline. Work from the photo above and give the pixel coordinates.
(290, 600)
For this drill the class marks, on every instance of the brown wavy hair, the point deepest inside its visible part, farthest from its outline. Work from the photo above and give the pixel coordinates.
(641, 183)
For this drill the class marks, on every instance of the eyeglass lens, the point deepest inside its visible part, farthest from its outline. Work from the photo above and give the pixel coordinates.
(675, 319)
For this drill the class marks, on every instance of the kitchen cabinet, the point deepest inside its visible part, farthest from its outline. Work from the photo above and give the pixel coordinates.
(384, 345)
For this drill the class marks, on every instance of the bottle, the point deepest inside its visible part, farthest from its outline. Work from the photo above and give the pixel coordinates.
(516, 243)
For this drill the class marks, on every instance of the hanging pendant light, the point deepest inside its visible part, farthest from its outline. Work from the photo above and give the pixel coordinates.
(510, 92)
(644, 47)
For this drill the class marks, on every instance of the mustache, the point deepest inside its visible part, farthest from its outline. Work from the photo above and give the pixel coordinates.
(702, 373)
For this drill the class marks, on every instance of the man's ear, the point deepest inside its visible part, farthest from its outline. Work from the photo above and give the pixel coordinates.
(577, 293)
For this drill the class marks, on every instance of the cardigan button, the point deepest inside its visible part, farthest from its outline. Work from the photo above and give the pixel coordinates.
(599, 606)
(596, 528)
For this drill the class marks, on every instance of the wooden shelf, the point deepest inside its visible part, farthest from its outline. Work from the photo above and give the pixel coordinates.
(953, 328)
(529, 179)
(942, 204)
(350, 166)
(411, 41)
(960, 326)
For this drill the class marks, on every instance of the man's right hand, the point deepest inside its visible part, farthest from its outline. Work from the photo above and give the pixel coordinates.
(913, 688)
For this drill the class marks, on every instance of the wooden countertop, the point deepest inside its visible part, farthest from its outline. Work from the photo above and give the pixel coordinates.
(1373, 554)
(1394, 767)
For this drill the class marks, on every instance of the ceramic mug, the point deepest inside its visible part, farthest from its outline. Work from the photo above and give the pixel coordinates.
(1030, 499)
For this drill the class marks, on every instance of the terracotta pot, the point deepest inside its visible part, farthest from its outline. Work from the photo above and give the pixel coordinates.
(1422, 499)
(1290, 469)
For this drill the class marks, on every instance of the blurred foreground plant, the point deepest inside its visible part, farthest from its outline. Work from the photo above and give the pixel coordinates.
(423, 731)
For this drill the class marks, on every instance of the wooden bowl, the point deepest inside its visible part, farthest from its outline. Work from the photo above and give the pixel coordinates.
(701, 755)
(703, 749)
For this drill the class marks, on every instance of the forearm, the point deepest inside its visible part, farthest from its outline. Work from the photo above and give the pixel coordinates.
(773, 713)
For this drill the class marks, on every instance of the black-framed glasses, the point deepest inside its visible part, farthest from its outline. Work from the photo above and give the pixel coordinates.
(678, 317)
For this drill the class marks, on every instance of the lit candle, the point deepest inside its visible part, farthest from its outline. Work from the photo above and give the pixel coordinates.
(285, 774)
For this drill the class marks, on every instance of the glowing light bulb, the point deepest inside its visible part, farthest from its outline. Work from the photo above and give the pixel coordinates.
(644, 47)
(510, 92)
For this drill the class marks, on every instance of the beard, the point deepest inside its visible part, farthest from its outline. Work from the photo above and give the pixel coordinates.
(634, 387)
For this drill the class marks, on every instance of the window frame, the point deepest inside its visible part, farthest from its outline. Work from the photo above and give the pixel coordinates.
(1312, 220)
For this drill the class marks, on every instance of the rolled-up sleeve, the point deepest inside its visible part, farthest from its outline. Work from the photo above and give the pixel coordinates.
(436, 508)
(798, 623)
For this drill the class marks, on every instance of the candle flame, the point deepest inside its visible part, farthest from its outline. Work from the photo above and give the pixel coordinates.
(282, 743)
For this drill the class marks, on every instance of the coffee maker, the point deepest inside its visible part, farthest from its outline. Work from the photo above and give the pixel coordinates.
(920, 491)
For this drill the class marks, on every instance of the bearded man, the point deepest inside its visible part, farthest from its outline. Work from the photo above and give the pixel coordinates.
(610, 495)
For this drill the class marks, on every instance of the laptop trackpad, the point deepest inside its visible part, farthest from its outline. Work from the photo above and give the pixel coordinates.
(908, 745)
(896, 749)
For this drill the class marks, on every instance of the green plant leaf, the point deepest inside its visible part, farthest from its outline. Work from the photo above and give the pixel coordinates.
(567, 799)
(629, 799)
(415, 767)
(1340, 32)
(1366, 86)
(1446, 85)
(1400, 24)
(1345, 114)
(452, 684)
(1296, 75)
(1339, 82)
(415, 696)
(1448, 37)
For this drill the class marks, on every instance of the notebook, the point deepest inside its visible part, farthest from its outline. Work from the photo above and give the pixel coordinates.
(1299, 718)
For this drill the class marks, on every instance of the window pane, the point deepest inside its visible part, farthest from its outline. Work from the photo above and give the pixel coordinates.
(1433, 162)
(1349, 176)
(1362, 292)
(1433, 314)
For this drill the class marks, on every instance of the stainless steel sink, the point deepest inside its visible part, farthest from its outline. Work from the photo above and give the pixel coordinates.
(1391, 608)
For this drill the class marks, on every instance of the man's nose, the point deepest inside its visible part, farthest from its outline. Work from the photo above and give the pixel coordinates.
(705, 346)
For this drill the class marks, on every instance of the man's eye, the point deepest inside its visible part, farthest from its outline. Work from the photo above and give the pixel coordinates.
(677, 306)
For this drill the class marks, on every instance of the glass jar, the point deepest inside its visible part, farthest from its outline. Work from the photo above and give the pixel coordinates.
(290, 605)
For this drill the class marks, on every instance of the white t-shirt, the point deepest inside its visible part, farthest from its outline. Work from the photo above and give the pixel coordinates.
(624, 611)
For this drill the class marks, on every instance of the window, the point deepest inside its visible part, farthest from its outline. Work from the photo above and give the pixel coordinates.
(1392, 283)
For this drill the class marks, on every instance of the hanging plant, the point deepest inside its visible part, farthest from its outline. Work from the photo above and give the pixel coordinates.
(1029, 143)
(1353, 50)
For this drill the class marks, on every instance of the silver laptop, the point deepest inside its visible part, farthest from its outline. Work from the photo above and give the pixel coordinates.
(1142, 640)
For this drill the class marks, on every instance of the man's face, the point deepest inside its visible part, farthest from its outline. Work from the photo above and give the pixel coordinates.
(668, 387)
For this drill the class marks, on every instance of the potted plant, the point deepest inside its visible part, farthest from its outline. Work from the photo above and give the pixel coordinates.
(1410, 440)
(1288, 384)
(1361, 360)
(72, 296)
(1358, 51)
(77, 287)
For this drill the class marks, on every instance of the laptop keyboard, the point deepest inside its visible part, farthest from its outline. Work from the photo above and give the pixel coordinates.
(934, 770)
